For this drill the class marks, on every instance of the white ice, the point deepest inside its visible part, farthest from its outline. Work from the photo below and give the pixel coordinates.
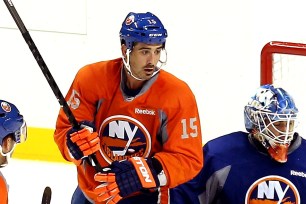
(27, 180)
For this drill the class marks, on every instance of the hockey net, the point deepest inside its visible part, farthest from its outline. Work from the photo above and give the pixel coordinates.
(284, 65)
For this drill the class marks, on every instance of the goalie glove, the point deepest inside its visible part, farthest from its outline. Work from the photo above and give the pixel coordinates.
(82, 143)
(125, 178)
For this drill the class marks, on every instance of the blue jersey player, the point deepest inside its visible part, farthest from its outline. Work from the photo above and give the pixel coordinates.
(266, 164)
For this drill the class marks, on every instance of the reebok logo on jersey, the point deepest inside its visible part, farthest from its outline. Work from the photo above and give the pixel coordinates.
(298, 173)
(144, 111)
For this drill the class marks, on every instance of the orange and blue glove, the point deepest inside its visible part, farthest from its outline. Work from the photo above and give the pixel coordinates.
(82, 142)
(124, 178)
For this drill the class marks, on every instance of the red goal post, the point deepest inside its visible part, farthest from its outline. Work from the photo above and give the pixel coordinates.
(277, 47)
(284, 65)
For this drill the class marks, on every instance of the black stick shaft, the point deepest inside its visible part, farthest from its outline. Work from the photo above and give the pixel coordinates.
(41, 63)
(46, 198)
(27, 37)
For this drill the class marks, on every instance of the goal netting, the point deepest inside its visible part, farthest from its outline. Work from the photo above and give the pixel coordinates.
(284, 65)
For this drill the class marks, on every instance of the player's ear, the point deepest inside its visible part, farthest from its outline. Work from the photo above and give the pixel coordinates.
(123, 50)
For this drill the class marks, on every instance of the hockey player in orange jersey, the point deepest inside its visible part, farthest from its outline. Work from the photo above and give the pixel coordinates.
(13, 130)
(140, 122)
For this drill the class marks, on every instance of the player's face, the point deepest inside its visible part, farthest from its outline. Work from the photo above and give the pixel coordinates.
(8, 145)
(143, 59)
(281, 133)
(279, 128)
(7, 149)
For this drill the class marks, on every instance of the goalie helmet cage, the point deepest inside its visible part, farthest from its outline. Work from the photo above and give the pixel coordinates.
(284, 65)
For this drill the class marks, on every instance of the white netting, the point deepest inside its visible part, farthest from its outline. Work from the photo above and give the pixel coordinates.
(289, 72)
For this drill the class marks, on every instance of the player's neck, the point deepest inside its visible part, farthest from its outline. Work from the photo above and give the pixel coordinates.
(133, 83)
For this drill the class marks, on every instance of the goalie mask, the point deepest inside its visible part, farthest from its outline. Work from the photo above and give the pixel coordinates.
(12, 125)
(271, 117)
(144, 28)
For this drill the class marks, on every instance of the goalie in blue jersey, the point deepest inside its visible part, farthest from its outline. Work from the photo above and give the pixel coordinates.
(266, 164)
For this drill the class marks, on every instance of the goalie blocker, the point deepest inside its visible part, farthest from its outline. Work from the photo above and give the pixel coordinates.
(128, 177)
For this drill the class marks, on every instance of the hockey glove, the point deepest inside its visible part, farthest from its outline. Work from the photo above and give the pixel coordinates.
(83, 142)
(124, 178)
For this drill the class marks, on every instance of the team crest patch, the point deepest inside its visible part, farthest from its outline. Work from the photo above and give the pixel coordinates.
(272, 190)
(129, 20)
(6, 107)
(123, 137)
(74, 101)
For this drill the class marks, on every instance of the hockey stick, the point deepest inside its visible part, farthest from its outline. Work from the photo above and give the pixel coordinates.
(26, 35)
(46, 198)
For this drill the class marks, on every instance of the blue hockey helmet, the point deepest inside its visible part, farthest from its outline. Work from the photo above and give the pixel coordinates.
(11, 123)
(271, 116)
(142, 27)
(274, 103)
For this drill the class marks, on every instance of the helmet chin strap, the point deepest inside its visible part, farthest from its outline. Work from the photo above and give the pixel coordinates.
(127, 65)
(7, 156)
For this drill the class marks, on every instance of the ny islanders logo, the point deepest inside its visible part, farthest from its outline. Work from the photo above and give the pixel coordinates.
(123, 137)
(6, 107)
(272, 190)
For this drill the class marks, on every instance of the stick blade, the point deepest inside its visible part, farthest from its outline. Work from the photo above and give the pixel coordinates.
(46, 198)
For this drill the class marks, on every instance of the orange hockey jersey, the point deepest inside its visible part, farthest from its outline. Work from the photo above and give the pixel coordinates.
(3, 190)
(161, 121)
